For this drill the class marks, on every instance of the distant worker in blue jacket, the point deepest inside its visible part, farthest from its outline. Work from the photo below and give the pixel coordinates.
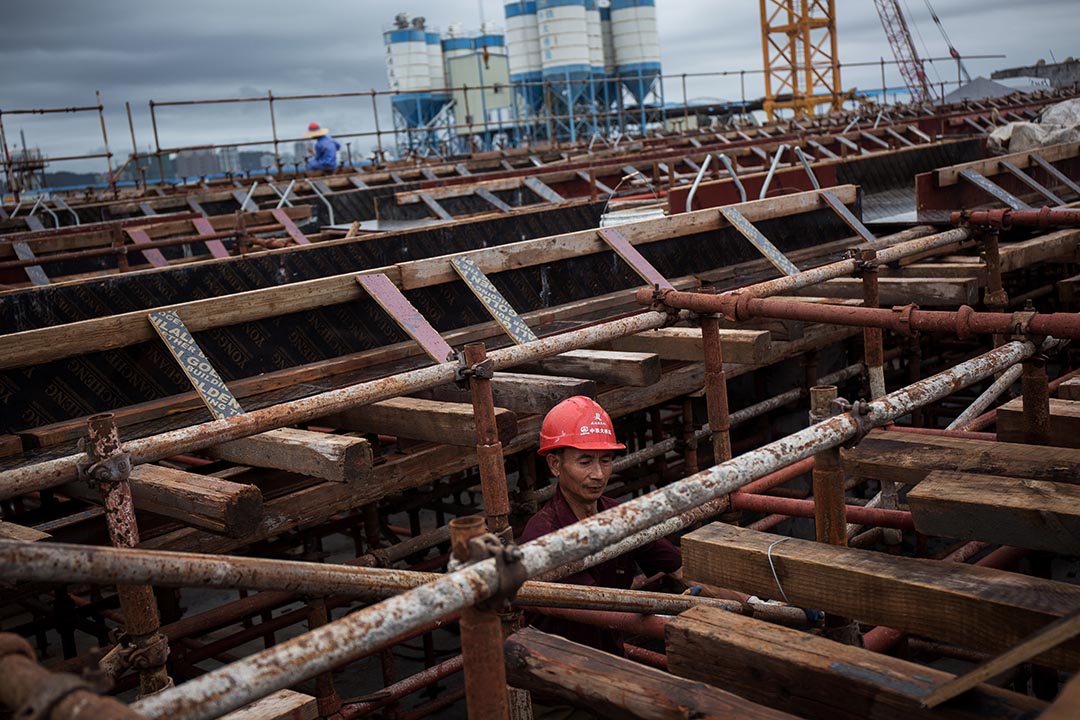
(325, 150)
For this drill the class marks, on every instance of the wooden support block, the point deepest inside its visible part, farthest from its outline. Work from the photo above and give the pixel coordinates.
(338, 458)
(971, 606)
(14, 531)
(282, 705)
(1070, 389)
(929, 292)
(1064, 422)
(205, 502)
(10, 445)
(817, 678)
(442, 422)
(636, 369)
(680, 343)
(908, 458)
(1009, 511)
(521, 393)
(614, 687)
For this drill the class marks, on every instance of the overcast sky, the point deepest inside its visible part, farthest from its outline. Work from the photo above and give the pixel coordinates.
(56, 53)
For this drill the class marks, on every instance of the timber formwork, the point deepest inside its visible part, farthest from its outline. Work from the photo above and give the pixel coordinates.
(356, 423)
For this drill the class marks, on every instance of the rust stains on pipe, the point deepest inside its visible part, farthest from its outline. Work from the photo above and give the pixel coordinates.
(489, 450)
(1044, 217)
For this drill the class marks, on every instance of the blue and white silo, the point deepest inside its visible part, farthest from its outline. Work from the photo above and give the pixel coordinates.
(564, 47)
(637, 45)
(523, 38)
(436, 69)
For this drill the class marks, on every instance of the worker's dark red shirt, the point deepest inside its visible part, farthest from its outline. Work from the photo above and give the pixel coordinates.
(655, 557)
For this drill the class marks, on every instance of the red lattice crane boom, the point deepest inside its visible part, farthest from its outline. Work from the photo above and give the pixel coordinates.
(903, 48)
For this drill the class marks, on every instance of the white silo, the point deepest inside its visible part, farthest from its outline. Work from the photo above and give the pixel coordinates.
(637, 45)
(523, 41)
(456, 44)
(606, 36)
(436, 70)
(596, 39)
(564, 46)
(407, 64)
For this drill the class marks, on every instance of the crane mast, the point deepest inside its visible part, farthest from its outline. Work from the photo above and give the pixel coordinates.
(903, 48)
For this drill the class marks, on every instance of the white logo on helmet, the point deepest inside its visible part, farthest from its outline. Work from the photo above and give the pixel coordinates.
(584, 430)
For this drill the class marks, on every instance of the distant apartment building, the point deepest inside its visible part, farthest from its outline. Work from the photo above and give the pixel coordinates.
(229, 159)
(195, 163)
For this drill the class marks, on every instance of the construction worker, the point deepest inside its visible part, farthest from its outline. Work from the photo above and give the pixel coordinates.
(578, 440)
(325, 150)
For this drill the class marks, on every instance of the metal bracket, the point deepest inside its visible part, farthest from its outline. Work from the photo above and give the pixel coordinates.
(485, 370)
(905, 317)
(151, 651)
(115, 468)
(509, 569)
(1021, 321)
(860, 411)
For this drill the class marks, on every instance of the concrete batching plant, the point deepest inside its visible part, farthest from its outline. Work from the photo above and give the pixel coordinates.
(565, 70)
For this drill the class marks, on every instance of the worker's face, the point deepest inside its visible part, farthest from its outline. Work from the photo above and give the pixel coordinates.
(582, 474)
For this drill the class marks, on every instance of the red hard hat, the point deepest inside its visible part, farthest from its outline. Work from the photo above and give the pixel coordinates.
(578, 422)
(312, 127)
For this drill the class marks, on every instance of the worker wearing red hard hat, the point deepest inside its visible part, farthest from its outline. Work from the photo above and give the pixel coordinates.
(578, 440)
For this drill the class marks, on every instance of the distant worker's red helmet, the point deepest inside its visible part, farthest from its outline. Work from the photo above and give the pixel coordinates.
(313, 126)
(314, 130)
(578, 422)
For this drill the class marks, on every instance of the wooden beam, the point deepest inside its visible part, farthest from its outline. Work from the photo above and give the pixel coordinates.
(282, 705)
(201, 501)
(1070, 389)
(951, 175)
(636, 369)
(817, 678)
(337, 458)
(521, 393)
(419, 419)
(1064, 422)
(908, 458)
(1009, 511)
(971, 606)
(614, 687)
(106, 333)
(1049, 637)
(10, 445)
(14, 531)
(679, 343)
(932, 292)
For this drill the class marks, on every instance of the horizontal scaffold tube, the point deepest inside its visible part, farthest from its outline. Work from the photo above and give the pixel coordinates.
(68, 563)
(964, 322)
(341, 641)
(48, 474)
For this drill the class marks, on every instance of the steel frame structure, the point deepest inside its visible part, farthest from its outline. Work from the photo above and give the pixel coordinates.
(802, 67)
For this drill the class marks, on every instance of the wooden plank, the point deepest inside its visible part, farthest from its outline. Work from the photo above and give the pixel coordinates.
(614, 687)
(818, 678)
(1050, 636)
(932, 292)
(282, 705)
(419, 419)
(383, 291)
(40, 345)
(436, 209)
(521, 393)
(541, 189)
(633, 258)
(909, 458)
(1064, 422)
(14, 531)
(290, 227)
(337, 458)
(634, 369)
(1070, 389)
(971, 606)
(153, 256)
(679, 343)
(10, 445)
(201, 501)
(1009, 511)
(35, 273)
(951, 175)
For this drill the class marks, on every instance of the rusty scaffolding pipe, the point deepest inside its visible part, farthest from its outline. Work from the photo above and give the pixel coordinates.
(48, 474)
(1004, 219)
(340, 641)
(964, 322)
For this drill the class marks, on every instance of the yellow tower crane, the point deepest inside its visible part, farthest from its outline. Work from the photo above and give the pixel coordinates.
(802, 68)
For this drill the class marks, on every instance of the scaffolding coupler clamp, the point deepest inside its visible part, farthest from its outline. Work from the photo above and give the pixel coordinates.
(905, 317)
(658, 304)
(141, 653)
(485, 370)
(861, 413)
(509, 570)
(865, 260)
(1020, 323)
(115, 468)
